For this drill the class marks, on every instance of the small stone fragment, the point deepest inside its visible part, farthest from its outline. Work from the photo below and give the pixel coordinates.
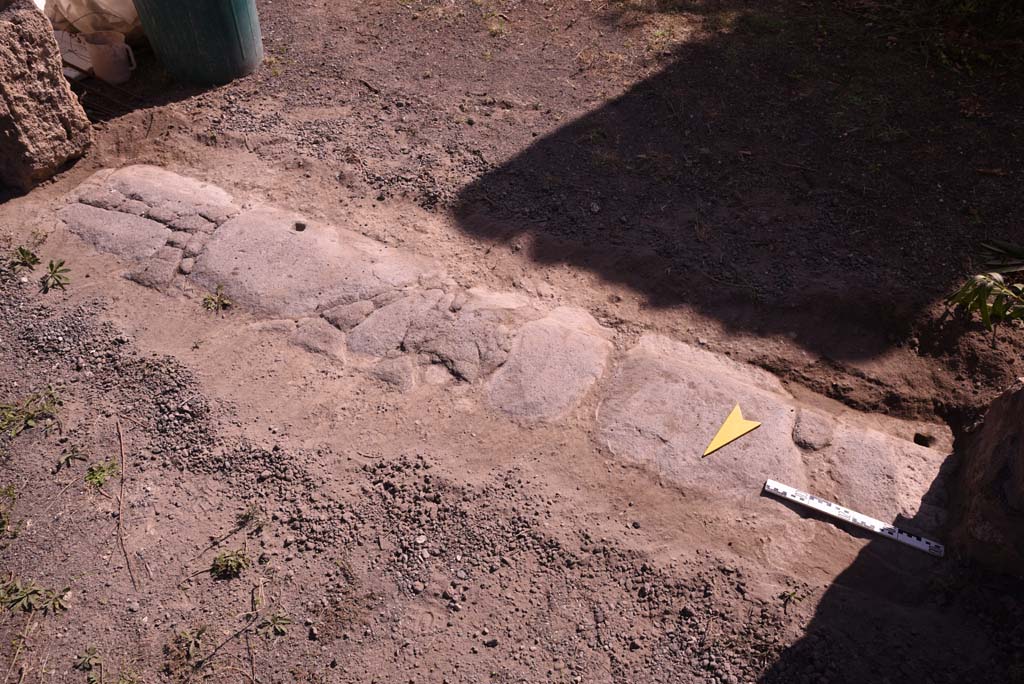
(195, 244)
(319, 337)
(398, 372)
(347, 316)
(157, 271)
(192, 223)
(178, 239)
(164, 213)
(134, 207)
(103, 198)
(812, 429)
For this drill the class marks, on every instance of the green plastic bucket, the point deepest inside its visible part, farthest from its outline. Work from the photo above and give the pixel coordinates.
(204, 41)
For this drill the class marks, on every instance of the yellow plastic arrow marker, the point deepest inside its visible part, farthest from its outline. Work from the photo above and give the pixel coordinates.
(734, 427)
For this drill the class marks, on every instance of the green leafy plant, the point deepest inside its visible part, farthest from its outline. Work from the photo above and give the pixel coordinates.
(90, 663)
(56, 277)
(18, 595)
(39, 409)
(28, 597)
(190, 642)
(23, 259)
(990, 295)
(67, 458)
(1001, 256)
(274, 625)
(8, 497)
(217, 301)
(97, 474)
(52, 601)
(229, 565)
(252, 517)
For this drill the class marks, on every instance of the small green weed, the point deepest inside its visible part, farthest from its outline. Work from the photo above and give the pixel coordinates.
(98, 473)
(497, 25)
(229, 565)
(989, 294)
(67, 458)
(274, 625)
(251, 517)
(29, 597)
(790, 597)
(190, 642)
(8, 497)
(23, 259)
(55, 278)
(39, 409)
(216, 302)
(90, 663)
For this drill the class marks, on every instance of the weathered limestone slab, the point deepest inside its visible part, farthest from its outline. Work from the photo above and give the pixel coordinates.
(553, 362)
(398, 372)
(666, 401)
(887, 478)
(472, 336)
(265, 264)
(385, 329)
(170, 195)
(125, 235)
(42, 124)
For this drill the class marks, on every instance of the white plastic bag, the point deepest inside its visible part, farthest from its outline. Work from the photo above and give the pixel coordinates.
(90, 16)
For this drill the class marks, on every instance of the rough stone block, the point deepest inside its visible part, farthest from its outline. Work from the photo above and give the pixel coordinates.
(266, 265)
(989, 518)
(42, 124)
(399, 373)
(552, 364)
(319, 337)
(347, 316)
(157, 271)
(125, 235)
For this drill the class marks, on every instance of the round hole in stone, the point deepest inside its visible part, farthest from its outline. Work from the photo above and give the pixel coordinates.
(299, 226)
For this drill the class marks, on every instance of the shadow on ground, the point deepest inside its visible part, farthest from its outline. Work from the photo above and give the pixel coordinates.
(897, 614)
(791, 171)
(796, 171)
(149, 86)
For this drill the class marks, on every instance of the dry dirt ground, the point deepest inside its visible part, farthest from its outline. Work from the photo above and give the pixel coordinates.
(795, 187)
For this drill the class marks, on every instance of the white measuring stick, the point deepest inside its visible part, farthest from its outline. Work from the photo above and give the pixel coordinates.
(862, 521)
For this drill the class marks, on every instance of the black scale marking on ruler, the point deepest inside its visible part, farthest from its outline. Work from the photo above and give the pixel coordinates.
(854, 518)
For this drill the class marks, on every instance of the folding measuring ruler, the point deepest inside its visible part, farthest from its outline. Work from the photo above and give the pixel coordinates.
(853, 517)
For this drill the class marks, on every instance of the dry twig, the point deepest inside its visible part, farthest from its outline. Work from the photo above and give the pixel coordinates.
(120, 511)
